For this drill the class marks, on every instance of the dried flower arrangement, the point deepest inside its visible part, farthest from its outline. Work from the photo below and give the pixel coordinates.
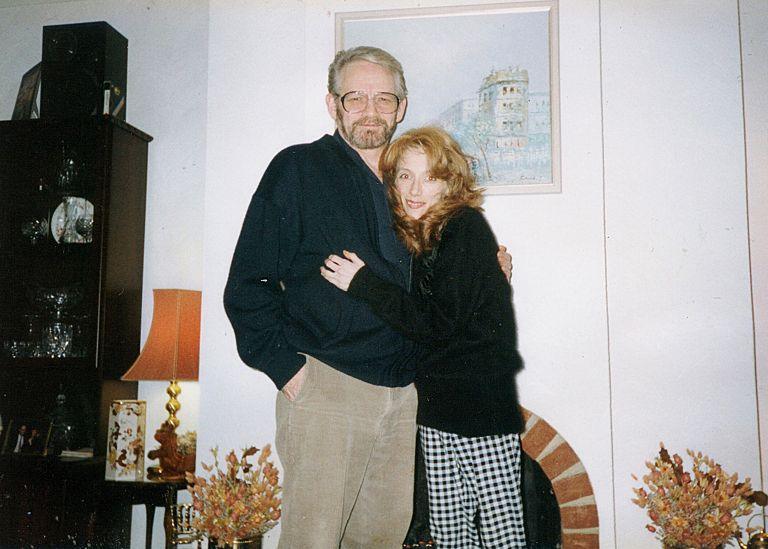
(239, 503)
(692, 509)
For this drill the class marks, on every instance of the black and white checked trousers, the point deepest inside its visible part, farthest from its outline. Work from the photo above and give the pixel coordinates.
(474, 490)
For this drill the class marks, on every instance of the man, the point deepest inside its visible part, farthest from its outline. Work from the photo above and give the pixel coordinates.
(346, 409)
(21, 439)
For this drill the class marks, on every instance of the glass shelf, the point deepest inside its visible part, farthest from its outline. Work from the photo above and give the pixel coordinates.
(67, 363)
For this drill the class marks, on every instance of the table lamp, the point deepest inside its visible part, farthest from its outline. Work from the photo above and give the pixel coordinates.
(171, 353)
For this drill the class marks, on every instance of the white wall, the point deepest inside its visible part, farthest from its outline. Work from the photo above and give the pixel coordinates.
(255, 108)
(632, 286)
(754, 31)
(678, 268)
(167, 73)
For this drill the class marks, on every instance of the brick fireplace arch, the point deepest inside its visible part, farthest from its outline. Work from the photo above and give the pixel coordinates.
(570, 482)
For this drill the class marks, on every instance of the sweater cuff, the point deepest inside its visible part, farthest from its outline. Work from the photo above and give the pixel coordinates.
(359, 287)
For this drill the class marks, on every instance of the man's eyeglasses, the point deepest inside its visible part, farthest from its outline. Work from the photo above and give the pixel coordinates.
(357, 101)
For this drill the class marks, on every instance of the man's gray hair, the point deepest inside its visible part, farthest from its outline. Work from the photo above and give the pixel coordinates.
(372, 55)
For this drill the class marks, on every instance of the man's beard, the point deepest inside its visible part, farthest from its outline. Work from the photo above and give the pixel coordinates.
(362, 137)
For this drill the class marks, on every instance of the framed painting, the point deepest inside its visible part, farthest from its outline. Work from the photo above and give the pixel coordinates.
(27, 436)
(27, 99)
(488, 74)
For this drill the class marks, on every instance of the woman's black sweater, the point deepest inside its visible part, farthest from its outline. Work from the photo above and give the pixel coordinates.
(460, 309)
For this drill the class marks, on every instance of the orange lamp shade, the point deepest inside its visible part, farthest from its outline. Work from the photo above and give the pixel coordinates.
(172, 349)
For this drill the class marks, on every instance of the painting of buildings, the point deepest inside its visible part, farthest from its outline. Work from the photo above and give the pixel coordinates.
(505, 128)
(486, 76)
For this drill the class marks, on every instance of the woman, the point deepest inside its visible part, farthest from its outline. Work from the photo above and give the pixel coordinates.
(460, 308)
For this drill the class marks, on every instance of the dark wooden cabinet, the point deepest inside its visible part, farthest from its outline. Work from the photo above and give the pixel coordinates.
(72, 204)
(47, 502)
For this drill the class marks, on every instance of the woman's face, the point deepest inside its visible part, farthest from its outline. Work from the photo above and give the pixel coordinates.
(417, 188)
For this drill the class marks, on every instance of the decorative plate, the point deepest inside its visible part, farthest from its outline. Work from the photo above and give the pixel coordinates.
(64, 221)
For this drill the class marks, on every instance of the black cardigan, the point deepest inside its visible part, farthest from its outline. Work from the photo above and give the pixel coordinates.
(461, 310)
(314, 200)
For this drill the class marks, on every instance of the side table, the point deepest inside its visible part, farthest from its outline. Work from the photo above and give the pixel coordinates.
(151, 494)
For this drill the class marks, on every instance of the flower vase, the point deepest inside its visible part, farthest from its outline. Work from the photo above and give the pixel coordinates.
(246, 543)
(250, 543)
(666, 545)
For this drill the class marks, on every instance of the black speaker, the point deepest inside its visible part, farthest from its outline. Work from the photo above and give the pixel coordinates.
(84, 71)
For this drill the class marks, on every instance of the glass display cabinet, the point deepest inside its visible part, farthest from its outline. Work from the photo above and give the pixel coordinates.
(72, 208)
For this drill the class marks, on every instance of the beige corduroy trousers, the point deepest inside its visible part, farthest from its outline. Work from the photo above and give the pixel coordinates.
(347, 451)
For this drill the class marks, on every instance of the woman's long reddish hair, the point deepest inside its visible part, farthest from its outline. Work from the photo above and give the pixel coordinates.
(447, 162)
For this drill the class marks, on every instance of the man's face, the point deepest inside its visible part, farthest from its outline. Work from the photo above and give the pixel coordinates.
(368, 129)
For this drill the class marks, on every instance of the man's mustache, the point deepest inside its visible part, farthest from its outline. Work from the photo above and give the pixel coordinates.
(369, 120)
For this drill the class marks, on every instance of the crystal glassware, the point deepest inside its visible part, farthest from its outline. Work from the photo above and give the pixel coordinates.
(69, 167)
(84, 227)
(57, 339)
(58, 300)
(35, 230)
(15, 348)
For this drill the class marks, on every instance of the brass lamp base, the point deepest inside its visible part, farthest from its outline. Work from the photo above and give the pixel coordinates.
(173, 464)
(173, 405)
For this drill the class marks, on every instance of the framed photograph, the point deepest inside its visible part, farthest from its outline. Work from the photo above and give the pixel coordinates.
(126, 440)
(27, 436)
(26, 100)
(488, 74)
